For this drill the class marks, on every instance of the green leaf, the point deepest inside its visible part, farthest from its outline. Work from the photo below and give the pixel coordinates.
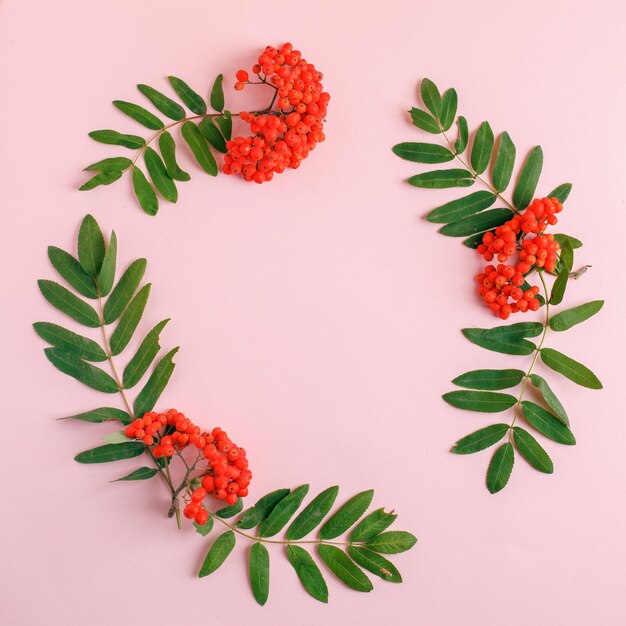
(461, 143)
(431, 96)
(308, 572)
(143, 473)
(500, 468)
(375, 563)
(70, 270)
(482, 148)
(566, 259)
(561, 193)
(144, 192)
(106, 276)
(160, 178)
(463, 207)
(259, 571)
(167, 145)
(505, 344)
(111, 452)
(218, 553)
(528, 179)
(547, 424)
(518, 330)
(473, 241)
(339, 563)
(134, 142)
(90, 246)
(103, 414)
(190, 98)
(157, 382)
(102, 178)
(112, 164)
(68, 303)
(230, 511)
(423, 152)
(425, 121)
(550, 398)
(139, 114)
(312, 514)
(571, 369)
(217, 94)
(392, 542)
(449, 103)
(225, 123)
(206, 528)
(117, 436)
(212, 134)
(481, 401)
(124, 290)
(282, 512)
(256, 514)
(198, 145)
(442, 179)
(372, 525)
(166, 105)
(69, 341)
(146, 353)
(480, 439)
(486, 220)
(84, 372)
(576, 243)
(505, 160)
(347, 515)
(129, 320)
(489, 380)
(530, 449)
(570, 317)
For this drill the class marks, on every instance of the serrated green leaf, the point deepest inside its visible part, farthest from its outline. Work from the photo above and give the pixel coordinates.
(218, 553)
(84, 372)
(206, 528)
(157, 382)
(265, 505)
(116, 164)
(375, 563)
(282, 512)
(90, 246)
(139, 114)
(167, 145)
(133, 142)
(547, 424)
(481, 401)
(480, 439)
(312, 514)
(500, 468)
(392, 542)
(70, 270)
(576, 243)
(347, 515)
(372, 525)
(124, 290)
(478, 223)
(517, 330)
(570, 317)
(111, 452)
(550, 398)
(64, 300)
(442, 179)
(200, 148)
(189, 97)
(160, 178)
(212, 134)
(490, 380)
(505, 161)
(424, 121)
(528, 179)
(69, 341)
(101, 178)
(217, 94)
(482, 148)
(449, 103)
(431, 96)
(103, 414)
(461, 208)
(566, 261)
(461, 143)
(225, 123)
(561, 193)
(339, 563)
(505, 344)
(230, 511)
(422, 152)
(570, 368)
(145, 193)
(259, 570)
(530, 449)
(129, 320)
(143, 473)
(146, 353)
(106, 276)
(308, 572)
(166, 105)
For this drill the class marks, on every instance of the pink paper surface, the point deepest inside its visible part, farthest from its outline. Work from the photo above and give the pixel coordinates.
(318, 316)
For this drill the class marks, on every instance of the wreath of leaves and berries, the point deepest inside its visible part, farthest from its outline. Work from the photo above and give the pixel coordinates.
(281, 135)
(517, 231)
(199, 468)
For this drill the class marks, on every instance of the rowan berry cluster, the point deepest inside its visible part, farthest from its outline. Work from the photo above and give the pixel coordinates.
(225, 476)
(501, 286)
(281, 138)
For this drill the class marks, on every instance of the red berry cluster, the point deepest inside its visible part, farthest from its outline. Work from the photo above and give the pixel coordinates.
(500, 287)
(281, 138)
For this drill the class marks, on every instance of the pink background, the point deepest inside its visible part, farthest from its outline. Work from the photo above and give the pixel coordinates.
(319, 316)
